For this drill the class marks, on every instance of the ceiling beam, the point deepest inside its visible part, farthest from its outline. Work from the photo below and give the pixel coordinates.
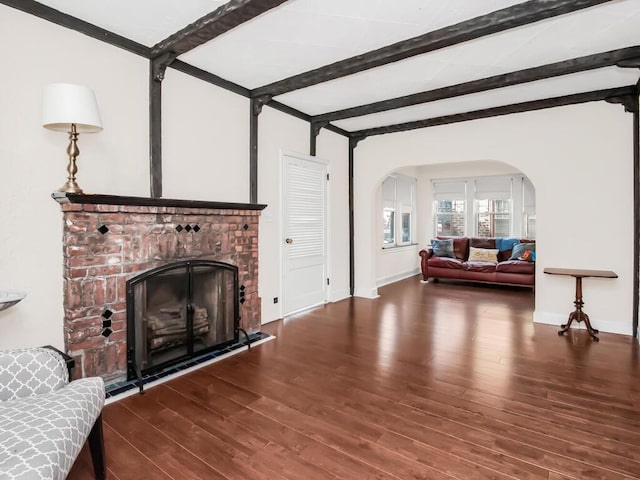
(565, 67)
(68, 21)
(225, 18)
(501, 110)
(235, 88)
(524, 13)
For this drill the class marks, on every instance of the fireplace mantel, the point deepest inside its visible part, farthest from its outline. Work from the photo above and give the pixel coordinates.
(109, 239)
(101, 199)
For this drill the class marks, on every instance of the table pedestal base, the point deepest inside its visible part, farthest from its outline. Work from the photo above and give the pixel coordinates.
(578, 315)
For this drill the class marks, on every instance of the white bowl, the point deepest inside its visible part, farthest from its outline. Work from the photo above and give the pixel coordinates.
(9, 299)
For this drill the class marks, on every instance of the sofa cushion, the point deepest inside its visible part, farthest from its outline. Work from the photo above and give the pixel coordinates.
(515, 266)
(482, 242)
(460, 246)
(445, 262)
(483, 255)
(482, 267)
(519, 249)
(506, 255)
(442, 248)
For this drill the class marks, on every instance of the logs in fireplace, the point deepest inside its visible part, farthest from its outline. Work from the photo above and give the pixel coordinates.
(166, 328)
(179, 311)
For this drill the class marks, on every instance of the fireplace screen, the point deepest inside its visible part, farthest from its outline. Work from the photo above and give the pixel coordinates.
(179, 311)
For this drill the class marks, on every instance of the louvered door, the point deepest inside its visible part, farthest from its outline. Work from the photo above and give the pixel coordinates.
(304, 233)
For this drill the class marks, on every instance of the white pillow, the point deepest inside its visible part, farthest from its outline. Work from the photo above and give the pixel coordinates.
(483, 255)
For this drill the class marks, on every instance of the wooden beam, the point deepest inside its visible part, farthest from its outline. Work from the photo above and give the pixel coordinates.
(566, 67)
(501, 110)
(157, 69)
(64, 20)
(47, 13)
(314, 131)
(514, 16)
(352, 146)
(353, 143)
(636, 215)
(245, 92)
(223, 19)
(210, 78)
(255, 107)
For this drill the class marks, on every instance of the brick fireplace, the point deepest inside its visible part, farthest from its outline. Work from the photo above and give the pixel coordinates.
(108, 240)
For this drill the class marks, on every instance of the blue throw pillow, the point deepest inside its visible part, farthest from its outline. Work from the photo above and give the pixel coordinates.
(442, 248)
(504, 244)
(520, 248)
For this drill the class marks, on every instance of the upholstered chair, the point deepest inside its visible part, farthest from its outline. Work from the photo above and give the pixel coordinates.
(44, 418)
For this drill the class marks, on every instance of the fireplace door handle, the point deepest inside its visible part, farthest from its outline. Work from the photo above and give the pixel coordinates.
(289, 241)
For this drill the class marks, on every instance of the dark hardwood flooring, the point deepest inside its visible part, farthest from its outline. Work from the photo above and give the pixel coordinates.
(435, 381)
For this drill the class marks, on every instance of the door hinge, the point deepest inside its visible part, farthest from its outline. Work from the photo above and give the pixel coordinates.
(328, 282)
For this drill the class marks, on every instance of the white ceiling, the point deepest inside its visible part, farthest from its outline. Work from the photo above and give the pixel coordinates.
(301, 35)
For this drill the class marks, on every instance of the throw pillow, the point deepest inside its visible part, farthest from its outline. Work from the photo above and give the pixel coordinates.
(442, 248)
(504, 244)
(483, 255)
(520, 248)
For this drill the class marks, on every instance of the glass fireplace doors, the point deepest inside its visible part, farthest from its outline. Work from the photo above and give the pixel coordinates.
(178, 311)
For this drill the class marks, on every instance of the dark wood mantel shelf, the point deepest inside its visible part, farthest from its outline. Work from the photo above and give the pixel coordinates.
(100, 199)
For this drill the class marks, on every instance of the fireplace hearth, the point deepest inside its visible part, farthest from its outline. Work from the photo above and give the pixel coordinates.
(179, 311)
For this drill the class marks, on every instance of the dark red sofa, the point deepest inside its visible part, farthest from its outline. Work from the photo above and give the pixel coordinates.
(505, 272)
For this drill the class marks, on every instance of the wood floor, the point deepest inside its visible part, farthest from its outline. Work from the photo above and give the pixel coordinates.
(435, 381)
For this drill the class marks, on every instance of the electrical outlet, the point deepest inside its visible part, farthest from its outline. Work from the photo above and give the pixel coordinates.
(275, 299)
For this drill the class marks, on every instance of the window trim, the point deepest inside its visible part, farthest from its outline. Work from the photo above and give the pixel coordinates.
(515, 187)
(400, 208)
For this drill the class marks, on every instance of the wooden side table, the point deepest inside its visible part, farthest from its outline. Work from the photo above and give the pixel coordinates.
(578, 315)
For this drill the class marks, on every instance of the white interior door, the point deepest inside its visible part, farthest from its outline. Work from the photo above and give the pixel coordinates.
(304, 233)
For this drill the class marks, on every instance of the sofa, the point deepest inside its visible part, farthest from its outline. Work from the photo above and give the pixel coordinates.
(505, 261)
(44, 418)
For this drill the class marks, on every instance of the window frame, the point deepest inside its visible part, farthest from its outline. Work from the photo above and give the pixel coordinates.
(516, 188)
(437, 213)
(397, 206)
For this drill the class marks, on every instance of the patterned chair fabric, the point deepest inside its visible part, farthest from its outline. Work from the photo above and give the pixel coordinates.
(44, 419)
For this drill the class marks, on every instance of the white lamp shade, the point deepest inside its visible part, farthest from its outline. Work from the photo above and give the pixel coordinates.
(65, 104)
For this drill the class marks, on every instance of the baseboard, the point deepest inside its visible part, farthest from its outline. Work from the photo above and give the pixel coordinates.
(608, 326)
(397, 277)
(366, 293)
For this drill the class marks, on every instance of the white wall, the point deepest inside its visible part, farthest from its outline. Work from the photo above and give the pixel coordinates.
(335, 149)
(396, 263)
(277, 133)
(205, 157)
(205, 141)
(580, 160)
(33, 160)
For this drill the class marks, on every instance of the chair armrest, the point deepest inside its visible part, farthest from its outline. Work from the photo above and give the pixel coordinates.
(68, 359)
(31, 371)
(425, 255)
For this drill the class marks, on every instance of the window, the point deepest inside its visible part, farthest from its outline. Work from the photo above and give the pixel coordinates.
(528, 209)
(530, 226)
(450, 217)
(493, 218)
(398, 210)
(487, 206)
(449, 208)
(493, 206)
